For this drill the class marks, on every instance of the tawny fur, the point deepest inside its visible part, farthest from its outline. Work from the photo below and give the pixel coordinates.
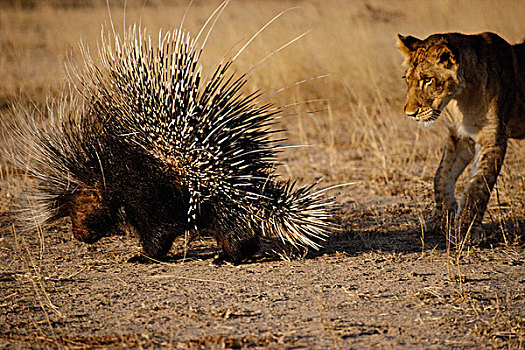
(479, 83)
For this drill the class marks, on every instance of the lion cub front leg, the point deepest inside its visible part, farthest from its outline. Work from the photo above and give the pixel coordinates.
(457, 155)
(491, 147)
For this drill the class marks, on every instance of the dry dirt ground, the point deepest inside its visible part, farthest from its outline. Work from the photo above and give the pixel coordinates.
(374, 286)
(378, 283)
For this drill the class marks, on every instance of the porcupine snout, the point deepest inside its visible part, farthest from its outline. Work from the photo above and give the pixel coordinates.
(90, 217)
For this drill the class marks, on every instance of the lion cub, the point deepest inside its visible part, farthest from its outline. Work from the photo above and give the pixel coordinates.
(480, 79)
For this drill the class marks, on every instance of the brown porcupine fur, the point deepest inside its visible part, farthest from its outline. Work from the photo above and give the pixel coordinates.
(150, 142)
(82, 170)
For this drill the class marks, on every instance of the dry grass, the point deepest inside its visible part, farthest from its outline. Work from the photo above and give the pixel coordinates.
(361, 127)
(357, 126)
(358, 131)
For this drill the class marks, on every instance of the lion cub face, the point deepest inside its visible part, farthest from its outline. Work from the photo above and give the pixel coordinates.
(432, 76)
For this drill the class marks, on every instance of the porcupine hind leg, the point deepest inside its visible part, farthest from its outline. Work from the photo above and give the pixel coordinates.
(236, 240)
(235, 251)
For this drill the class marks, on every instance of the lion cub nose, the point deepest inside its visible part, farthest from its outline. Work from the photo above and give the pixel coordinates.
(411, 113)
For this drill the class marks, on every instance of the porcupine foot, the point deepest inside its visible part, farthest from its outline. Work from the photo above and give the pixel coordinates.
(235, 251)
(156, 242)
(141, 259)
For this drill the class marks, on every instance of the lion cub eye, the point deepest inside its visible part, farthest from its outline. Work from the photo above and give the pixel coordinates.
(428, 81)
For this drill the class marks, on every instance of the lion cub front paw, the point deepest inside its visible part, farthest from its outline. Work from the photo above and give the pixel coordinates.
(454, 228)
(468, 232)
(439, 221)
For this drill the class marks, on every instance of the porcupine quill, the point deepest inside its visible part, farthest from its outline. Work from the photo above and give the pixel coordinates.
(151, 142)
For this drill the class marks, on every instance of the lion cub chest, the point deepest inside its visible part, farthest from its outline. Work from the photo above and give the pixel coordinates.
(464, 122)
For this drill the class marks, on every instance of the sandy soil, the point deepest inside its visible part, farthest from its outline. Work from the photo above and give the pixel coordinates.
(374, 286)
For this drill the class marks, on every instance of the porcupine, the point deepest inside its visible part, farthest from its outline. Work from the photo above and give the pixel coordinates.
(151, 142)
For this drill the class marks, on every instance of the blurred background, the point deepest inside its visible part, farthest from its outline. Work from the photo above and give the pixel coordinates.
(353, 117)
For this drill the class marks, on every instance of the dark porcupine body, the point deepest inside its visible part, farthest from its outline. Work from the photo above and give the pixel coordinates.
(79, 169)
(155, 145)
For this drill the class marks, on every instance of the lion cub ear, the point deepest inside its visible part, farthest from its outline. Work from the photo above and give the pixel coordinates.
(408, 44)
(446, 56)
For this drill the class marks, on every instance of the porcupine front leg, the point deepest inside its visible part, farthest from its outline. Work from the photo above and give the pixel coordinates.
(457, 155)
(157, 243)
(491, 147)
(156, 223)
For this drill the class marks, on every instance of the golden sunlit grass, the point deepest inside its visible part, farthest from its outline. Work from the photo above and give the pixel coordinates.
(357, 129)
(352, 118)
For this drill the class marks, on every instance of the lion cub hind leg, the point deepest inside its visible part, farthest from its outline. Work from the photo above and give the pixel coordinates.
(490, 153)
(457, 155)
